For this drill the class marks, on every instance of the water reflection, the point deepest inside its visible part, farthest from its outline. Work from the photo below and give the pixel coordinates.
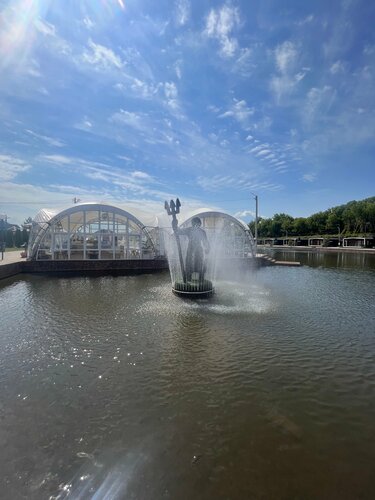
(321, 258)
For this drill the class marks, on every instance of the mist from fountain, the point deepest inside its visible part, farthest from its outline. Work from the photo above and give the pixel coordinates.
(221, 263)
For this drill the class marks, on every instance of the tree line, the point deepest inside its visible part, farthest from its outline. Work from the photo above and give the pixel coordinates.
(15, 238)
(355, 218)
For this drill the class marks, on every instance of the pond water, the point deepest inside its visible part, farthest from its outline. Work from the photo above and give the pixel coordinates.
(112, 387)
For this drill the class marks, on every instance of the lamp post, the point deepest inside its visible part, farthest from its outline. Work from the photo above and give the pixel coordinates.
(286, 234)
(256, 222)
(338, 227)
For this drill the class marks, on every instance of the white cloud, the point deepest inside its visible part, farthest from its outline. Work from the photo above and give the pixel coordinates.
(10, 167)
(309, 177)
(88, 23)
(101, 57)
(241, 182)
(137, 87)
(286, 59)
(182, 12)
(244, 213)
(219, 25)
(256, 149)
(286, 56)
(59, 159)
(263, 152)
(54, 42)
(245, 63)
(128, 118)
(45, 28)
(178, 69)
(171, 93)
(307, 20)
(337, 67)
(84, 124)
(369, 50)
(318, 99)
(138, 174)
(239, 110)
(51, 141)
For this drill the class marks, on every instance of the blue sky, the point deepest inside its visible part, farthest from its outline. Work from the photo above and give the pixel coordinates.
(138, 100)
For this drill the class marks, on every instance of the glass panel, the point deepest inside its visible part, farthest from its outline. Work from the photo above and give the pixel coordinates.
(44, 250)
(92, 241)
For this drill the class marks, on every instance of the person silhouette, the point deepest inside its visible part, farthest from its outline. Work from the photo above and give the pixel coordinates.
(198, 245)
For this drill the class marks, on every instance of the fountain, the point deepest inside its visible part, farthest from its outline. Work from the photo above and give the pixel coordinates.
(188, 257)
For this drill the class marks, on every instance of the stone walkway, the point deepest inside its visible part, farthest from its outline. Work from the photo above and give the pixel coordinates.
(11, 257)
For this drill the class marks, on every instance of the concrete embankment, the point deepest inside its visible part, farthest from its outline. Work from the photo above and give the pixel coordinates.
(317, 249)
(8, 270)
(10, 264)
(13, 264)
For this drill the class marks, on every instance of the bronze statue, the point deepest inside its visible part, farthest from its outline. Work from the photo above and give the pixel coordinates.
(198, 246)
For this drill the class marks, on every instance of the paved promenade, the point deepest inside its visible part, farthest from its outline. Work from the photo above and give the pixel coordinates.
(11, 257)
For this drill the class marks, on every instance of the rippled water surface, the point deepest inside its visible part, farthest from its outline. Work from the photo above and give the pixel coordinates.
(113, 388)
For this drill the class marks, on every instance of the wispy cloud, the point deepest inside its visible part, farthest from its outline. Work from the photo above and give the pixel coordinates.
(135, 181)
(306, 20)
(239, 111)
(319, 101)
(182, 9)
(101, 57)
(286, 61)
(286, 56)
(134, 120)
(88, 22)
(337, 67)
(11, 166)
(51, 141)
(244, 214)
(220, 24)
(242, 182)
(52, 40)
(45, 27)
(309, 177)
(171, 95)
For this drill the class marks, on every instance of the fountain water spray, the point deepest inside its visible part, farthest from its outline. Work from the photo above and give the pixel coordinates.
(188, 267)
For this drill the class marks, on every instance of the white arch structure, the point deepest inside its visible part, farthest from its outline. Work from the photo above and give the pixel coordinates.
(91, 231)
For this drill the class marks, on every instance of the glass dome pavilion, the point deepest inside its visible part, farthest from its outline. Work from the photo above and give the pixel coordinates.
(92, 231)
(105, 232)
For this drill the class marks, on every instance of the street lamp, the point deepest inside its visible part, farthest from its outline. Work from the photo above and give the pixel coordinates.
(338, 227)
(256, 221)
(286, 234)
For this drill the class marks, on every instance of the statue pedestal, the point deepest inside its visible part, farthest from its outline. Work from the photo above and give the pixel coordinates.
(194, 288)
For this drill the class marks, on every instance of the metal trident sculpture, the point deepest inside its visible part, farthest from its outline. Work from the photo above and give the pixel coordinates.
(173, 208)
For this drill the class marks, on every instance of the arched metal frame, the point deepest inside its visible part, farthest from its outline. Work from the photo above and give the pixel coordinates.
(92, 231)
(233, 233)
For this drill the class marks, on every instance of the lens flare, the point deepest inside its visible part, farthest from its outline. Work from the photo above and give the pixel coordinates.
(17, 34)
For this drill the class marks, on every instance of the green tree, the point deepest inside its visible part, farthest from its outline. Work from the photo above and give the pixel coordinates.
(18, 238)
(9, 239)
(317, 223)
(333, 222)
(300, 227)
